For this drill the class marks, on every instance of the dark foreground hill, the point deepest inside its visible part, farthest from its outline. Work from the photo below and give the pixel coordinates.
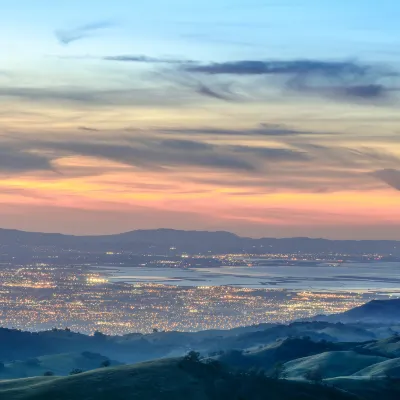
(170, 379)
(367, 388)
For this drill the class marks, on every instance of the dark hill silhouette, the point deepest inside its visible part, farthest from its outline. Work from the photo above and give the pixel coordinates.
(165, 380)
(375, 311)
(161, 240)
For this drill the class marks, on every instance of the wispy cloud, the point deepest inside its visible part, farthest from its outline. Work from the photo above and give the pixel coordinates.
(14, 160)
(251, 67)
(297, 160)
(389, 176)
(67, 36)
(146, 59)
(262, 130)
(343, 80)
(214, 93)
(348, 80)
(159, 154)
(131, 95)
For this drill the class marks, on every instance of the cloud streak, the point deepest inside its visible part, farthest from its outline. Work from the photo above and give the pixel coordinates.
(296, 161)
(14, 160)
(345, 80)
(263, 130)
(68, 36)
(146, 59)
(348, 80)
(161, 96)
(389, 176)
(294, 67)
(158, 155)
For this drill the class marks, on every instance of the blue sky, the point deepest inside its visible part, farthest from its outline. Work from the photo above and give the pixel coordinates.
(207, 30)
(273, 118)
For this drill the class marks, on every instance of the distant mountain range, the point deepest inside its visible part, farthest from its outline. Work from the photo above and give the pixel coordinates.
(162, 241)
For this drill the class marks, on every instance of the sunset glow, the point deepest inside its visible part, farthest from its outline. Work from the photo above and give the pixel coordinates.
(115, 118)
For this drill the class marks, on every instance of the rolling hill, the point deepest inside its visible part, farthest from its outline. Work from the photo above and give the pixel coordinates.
(388, 368)
(57, 364)
(280, 351)
(331, 364)
(389, 347)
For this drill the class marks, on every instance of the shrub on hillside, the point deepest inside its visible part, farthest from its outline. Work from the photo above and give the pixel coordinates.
(76, 371)
(192, 356)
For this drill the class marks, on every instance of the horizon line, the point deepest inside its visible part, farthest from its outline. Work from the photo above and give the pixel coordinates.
(197, 231)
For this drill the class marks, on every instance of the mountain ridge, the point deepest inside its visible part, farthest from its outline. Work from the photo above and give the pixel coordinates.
(195, 241)
(191, 231)
(374, 311)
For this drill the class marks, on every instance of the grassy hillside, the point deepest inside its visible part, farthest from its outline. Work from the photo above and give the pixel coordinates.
(164, 380)
(331, 364)
(58, 364)
(389, 347)
(386, 368)
(278, 352)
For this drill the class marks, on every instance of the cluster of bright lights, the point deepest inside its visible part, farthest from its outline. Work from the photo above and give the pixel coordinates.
(85, 301)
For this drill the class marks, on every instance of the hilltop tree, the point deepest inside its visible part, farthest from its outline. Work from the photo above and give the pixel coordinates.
(192, 356)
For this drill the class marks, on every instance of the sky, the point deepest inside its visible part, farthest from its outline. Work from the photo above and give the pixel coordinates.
(263, 118)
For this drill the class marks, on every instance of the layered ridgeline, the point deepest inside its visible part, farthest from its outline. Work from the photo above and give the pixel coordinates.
(166, 380)
(160, 241)
(301, 360)
(191, 378)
